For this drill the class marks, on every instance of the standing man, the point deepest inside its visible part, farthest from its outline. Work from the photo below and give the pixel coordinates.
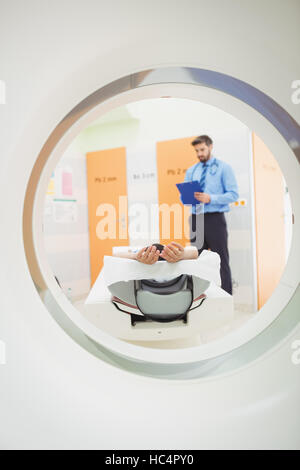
(218, 187)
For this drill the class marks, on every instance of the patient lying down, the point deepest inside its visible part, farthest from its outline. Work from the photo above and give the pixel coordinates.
(125, 273)
(172, 253)
(169, 287)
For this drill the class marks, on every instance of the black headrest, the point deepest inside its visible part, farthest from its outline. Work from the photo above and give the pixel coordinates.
(165, 287)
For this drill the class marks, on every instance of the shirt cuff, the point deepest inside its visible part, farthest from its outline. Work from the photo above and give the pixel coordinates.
(213, 198)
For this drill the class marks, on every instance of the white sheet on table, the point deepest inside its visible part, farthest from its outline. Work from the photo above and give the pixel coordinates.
(206, 266)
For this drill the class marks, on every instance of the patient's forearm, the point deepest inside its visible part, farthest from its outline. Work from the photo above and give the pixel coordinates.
(126, 254)
(190, 252)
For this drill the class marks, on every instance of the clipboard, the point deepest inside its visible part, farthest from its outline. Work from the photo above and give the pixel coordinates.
(187, 191)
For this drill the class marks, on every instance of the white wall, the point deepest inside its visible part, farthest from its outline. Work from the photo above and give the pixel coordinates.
(66, 226)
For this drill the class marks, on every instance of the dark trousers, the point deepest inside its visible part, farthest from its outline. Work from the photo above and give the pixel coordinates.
(209, 230)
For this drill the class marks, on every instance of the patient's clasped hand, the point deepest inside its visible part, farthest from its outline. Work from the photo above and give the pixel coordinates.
(172, 253)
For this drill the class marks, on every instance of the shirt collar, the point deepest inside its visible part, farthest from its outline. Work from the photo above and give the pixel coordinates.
(210, 161)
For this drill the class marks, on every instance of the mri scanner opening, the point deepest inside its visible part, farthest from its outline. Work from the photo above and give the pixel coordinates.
(103, 198)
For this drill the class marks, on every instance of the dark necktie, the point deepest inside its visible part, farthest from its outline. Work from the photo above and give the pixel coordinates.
(202, 179)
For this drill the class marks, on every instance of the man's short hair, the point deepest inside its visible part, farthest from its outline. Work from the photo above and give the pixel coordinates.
(159, 247)
(202, 139)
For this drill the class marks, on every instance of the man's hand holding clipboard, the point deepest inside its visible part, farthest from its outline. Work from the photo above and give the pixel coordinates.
(189, 190)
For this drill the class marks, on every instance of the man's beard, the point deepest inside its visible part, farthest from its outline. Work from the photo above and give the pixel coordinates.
(206, 158)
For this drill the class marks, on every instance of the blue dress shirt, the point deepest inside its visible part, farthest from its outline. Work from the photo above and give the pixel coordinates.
(220, 184)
